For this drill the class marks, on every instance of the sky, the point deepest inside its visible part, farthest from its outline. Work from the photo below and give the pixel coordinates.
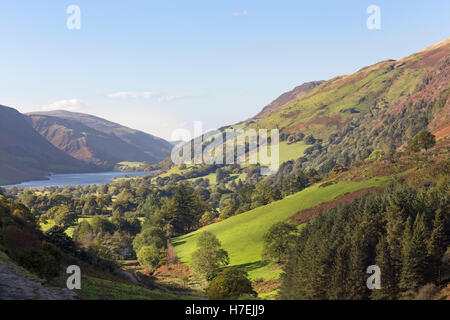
(158, 66)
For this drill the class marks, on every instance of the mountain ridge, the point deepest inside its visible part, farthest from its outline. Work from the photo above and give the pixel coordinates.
(26, 155)
(103, 142)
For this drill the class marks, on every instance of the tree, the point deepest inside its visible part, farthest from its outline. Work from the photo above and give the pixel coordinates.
(310, 140)
(151, 256)
(90, 207)
(102, 224)
(230, 284)
(437, 245)
(264, 194)
(150, 236)
(210, 256)
(62, 215)
(220, 176)
(414, 259)
(278, 242)
(423, 140)
(384, 261)
(57, 236)
(207, 218)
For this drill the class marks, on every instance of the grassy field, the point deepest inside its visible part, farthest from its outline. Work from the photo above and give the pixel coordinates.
(69, 231)
(242, 235)
(291, 151)
(94, 288)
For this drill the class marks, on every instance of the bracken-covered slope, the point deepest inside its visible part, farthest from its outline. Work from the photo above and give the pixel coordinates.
(287, 97)
(26, 155)
(97, 140)
(379, 107)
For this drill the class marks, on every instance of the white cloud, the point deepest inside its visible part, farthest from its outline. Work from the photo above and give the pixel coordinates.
(128, 94)
(240, 13)
(69, 105)
(145, 95)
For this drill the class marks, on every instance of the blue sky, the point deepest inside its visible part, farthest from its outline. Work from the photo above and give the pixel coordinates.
(161, 65)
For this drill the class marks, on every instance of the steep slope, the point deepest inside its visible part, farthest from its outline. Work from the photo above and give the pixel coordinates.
(379, 107)
(155, 148)
(242, 235)
(26, 155)
(287, 97)
(85, 143)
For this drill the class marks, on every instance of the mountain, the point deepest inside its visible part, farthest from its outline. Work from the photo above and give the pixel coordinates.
(26, 155)
(287, 97)
(96, 140)
(350, 117)
(380, 107)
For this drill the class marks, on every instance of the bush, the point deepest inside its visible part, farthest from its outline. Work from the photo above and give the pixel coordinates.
(207, 218)
(150, 236)
(427, 292)
(57, 236)
(230, 284)
(45, 261)
(151, 256)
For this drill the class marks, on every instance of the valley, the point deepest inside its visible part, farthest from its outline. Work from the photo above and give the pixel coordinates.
(364, 179)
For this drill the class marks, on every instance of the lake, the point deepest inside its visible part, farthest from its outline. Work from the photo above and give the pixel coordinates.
(79, 179)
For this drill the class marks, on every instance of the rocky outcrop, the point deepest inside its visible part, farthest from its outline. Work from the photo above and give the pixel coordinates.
(16, 283)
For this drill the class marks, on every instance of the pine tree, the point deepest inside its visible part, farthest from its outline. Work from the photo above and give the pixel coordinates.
(359, 261)
(437, 246)
(415, 258)
(394, 234)
(383, 260)
(339, 276)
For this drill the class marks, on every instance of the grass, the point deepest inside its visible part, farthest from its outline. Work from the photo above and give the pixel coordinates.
(94, 288)
(211, 177)
(242, 235)
(69, 231)
(291, 151)
(47, 226)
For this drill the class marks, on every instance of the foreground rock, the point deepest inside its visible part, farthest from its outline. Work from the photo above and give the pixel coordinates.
(16, 283)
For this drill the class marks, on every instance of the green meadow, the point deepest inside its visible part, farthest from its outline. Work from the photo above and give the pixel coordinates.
(242, 235)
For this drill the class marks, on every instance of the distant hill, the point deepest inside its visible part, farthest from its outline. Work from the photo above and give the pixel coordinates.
(26, 155)
(96, 140)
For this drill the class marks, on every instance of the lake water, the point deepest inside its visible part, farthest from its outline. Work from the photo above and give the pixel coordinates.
(79, 179)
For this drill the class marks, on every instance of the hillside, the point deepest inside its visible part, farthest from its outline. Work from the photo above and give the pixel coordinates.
(287, 97)
(26, 155)
(106, 141)
(242, 235)
(379, 107)
(86, 144)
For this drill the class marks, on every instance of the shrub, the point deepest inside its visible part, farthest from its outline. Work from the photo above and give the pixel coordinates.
(151, 256)
(45, 261)
(427, 292)
(230, 284)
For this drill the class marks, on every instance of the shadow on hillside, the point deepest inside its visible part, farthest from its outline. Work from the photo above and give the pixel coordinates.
(252, 265)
